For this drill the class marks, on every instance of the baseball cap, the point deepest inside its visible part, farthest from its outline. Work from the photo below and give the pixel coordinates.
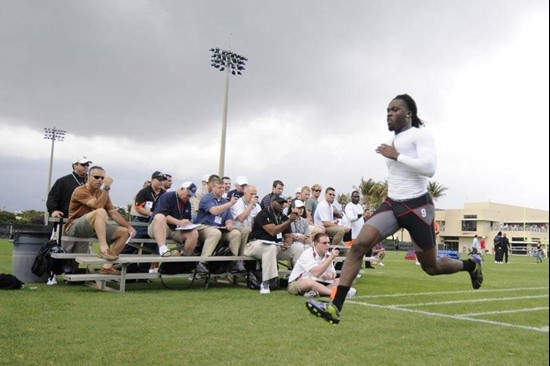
(82, 160)
(297, 204)
(158, 175)
(241, 180)
(279, 198)
(191, 188)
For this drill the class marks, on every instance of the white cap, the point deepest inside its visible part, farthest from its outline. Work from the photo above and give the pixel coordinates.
(298, 190)
(82, 160)
(241, 180)
(298, 203)
(205, 177)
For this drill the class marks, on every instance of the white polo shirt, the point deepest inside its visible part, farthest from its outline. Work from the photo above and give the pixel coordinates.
(307, 261)
(239, 208)
(324, 212)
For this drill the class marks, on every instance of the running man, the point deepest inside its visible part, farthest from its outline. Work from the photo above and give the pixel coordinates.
(411, 160)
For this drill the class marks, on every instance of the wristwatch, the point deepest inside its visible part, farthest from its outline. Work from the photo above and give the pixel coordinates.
(105, 187)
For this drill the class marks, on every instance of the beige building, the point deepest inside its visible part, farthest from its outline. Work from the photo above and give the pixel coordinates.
(524, 227)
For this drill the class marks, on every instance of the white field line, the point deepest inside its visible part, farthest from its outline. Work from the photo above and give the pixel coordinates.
(470, 301)
(505, 311)
(450, 292)
(457, 317)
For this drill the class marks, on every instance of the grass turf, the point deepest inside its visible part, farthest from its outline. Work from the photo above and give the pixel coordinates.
(228, 325)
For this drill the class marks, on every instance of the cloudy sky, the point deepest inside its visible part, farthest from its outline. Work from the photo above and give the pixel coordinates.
(131, 82)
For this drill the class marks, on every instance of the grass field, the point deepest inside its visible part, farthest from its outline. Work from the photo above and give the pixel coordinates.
(401, 316)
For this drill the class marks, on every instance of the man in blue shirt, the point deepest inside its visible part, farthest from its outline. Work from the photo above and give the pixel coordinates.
(216, 221)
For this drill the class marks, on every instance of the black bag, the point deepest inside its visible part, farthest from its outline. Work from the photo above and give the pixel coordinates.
(254, 280)
(10, 282)
(171, 268)
(220, 267)
(44, 263)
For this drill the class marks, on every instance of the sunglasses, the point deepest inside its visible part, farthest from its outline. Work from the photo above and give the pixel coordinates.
(84, 165)
(316, 190)
(98, 177)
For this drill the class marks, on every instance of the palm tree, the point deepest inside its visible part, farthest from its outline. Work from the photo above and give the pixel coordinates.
(343, 199)
(373, 192)
(436, 190)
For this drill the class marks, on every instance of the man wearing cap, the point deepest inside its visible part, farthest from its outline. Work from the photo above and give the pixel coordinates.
(173, 210)
(301, 233)
(59, 196)
(216, 223)
(271, 240)
(240, 183)
(88, 213)
(145, 201)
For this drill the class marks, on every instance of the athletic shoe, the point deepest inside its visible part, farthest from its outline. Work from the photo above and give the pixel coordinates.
(52, 281)
(381, 264)
(351, 293)
(477, 274)
(326, 310)
(264, 289)
(311, 294)
(154, 270)
(164, 251)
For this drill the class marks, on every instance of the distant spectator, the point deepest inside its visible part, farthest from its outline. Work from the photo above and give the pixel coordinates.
(276, 189)
(240, 183)
(324, 216)
(313, 201)
(355, 213)
(167, 183)
(300, 228)
(244, 212)
(226, 186)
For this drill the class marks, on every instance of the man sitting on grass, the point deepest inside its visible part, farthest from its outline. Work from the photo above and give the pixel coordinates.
(314, 274)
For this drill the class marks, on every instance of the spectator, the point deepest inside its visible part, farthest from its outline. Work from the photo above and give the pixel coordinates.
(167, 182)
(88, 212)
(59, 196)
(300, 228)
(244, 212)
(270, 227)
(379, 253)
(313, 201)
(276, 189)
(217, 224)
(226, 186)
(475, 245)
(497, 243)
(173, 210)
(324, 217)
(144, 202)
(505, 243)
(240, 183)
(482, 247)
(314, 273)
(355, 214)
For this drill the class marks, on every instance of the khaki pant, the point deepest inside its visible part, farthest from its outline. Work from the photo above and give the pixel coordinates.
(336, 233)
(269, 254)
(211, 236)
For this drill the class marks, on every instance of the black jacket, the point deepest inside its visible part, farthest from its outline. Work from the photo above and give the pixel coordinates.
(59, 196)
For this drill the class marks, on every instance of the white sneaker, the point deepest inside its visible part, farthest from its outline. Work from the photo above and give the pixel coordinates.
(52, 281)
(381, 264)
(164, 249)
(352, 292)
(264, 290)
(153, 270)
(417, 263)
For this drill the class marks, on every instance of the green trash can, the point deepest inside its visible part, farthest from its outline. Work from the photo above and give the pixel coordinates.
(27, 241)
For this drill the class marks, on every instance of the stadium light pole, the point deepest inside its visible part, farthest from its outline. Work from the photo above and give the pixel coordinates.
(233, 64)
(55, 135)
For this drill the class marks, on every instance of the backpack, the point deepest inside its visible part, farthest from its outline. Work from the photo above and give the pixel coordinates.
(254, 280)
(44, 263)
(10, 282)
(220, 267)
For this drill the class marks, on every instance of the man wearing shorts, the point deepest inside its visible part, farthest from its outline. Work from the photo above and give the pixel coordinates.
(89, 210)
(411, 160)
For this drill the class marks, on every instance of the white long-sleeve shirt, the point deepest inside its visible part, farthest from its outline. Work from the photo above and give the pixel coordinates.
(417, 161)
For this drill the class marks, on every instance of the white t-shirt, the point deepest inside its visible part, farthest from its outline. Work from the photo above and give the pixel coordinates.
(352, 211)
(307, 261)
(408, 176)
(324, 212)
(238, 208)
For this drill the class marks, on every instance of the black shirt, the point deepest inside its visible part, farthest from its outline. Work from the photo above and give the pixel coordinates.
(59, 196)
(266, 216)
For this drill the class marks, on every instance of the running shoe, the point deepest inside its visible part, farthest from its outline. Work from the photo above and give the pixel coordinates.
(476, 275)
(323, 309)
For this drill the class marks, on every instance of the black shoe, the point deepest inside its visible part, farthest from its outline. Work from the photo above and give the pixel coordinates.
(202, 270)
(237, 267)
(476, 274)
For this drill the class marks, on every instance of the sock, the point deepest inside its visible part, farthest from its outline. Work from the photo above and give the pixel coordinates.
(340, 297)
(469, 265)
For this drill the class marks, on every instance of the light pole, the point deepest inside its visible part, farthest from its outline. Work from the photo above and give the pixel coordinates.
(233, 63)
(55, 135)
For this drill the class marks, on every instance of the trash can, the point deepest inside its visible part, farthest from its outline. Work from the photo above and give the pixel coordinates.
(27, 241)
